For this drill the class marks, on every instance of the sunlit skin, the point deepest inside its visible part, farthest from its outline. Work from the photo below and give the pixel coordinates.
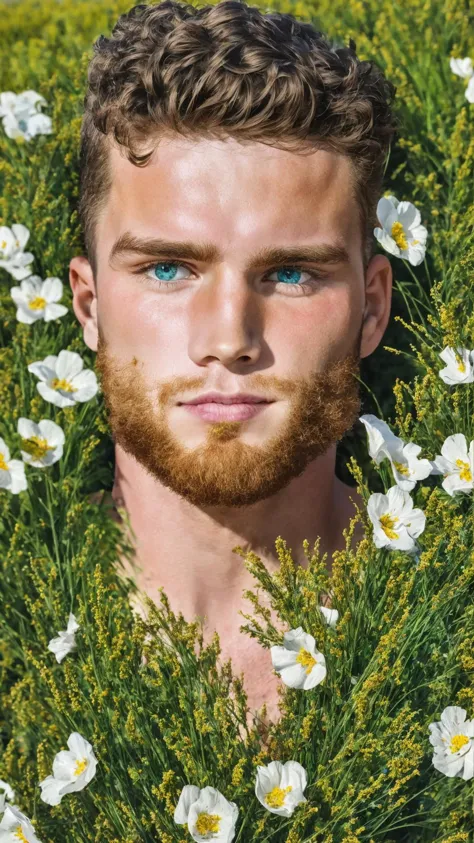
(193, 489)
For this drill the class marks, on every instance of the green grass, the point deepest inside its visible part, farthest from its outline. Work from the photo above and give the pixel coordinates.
(406, 630)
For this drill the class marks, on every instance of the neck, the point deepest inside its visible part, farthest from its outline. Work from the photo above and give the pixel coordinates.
(189, 550)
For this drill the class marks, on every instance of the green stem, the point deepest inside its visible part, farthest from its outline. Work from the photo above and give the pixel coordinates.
(50, 508)
(420, 288)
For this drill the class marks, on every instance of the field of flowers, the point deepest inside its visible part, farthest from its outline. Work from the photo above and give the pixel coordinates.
(376, 739)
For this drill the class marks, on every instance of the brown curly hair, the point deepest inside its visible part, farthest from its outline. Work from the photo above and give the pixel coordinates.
(229, 70)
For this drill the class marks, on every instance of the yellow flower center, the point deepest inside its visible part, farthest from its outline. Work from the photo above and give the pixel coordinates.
(61, 383)
(306, 659)
(465, 472)
(461, 367)
(398, 234)
(276, 797)
(3, 244)
(18, 833)
(3, 463)
(37, 303)
(402, 469)
(80, 767)
(36, 447)
(387, 523)
(207, 823)
(457, 742)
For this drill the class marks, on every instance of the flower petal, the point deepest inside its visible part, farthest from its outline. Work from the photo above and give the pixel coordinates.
(52, 432)
(52, 289)
(22, 234)
(27, 428)
(408, 215)
(294, 676)
(69, 364)
(316, 676)
(18, 477)
(455, 447)
(51, 790)
(189, 795)
(54, 396)
(54, 311)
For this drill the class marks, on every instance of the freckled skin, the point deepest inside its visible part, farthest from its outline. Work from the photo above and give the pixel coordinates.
(193, 489)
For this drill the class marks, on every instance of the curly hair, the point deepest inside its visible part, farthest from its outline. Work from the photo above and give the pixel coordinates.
(230, 70)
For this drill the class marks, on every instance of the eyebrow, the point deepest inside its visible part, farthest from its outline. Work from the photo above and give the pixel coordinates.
(321, 253)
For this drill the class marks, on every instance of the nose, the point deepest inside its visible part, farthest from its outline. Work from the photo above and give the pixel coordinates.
(225, 322)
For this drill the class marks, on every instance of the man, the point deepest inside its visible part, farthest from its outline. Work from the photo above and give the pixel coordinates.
(228, 270)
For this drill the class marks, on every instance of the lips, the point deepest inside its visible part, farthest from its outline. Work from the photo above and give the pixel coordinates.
(214, 411)
(216, 398)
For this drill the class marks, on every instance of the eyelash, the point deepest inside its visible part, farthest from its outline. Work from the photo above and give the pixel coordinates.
(315, 277)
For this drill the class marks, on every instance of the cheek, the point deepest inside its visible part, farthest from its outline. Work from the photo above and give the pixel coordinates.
(321, 327)
(138, 321)
(121, 316)
(337, 318)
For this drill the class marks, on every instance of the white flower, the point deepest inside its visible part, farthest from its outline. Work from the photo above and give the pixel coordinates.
(29, 100)
(380, 437)
(207, 813)
(469, 92)
(330, 615)
(457, 370)
(12, 472)
(21, 115)
(16, 826)
(456, 464)
(63, 381)
(72, 771)
(407, 468)
(298, 662)
(401, 233)
(462, 67)
(66, 641)
(452, 738)
(36, 299)
(42, 443)
(27, 127)
(12, 257)
(396, 523)
(6, 792)
(189, 794)
(279, 787)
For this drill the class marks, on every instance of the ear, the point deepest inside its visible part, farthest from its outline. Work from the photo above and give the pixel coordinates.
(84, 299)
(378, 301)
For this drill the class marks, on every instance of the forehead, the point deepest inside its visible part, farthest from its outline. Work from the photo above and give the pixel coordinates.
(222, 191)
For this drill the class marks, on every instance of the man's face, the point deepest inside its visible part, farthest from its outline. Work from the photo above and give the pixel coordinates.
(217, 324)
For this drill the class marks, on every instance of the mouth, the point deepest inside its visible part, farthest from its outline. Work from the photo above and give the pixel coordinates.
(214, 411)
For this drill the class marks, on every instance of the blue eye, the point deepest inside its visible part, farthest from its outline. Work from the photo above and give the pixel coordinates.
(168, 269)
(290, 272)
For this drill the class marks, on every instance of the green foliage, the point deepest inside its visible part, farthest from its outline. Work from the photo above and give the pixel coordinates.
(406, 630)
